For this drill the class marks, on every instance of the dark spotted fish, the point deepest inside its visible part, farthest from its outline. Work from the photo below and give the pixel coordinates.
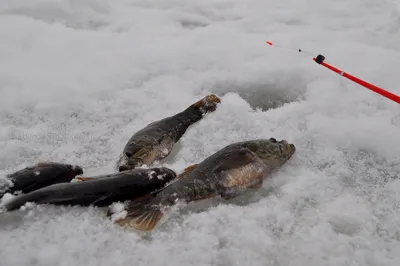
(155, 141)
(227, 173)
(99, 190)
(38, 176)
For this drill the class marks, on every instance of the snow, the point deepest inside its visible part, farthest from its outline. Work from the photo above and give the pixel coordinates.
(118, 211)
(78, 78)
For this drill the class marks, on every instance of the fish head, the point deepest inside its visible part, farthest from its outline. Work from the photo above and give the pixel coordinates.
(272, 152)
(161, 175)
(208, 103)
(76, 169)
(130, 164)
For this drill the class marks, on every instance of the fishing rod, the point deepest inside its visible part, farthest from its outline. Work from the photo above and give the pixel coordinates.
(320, 60)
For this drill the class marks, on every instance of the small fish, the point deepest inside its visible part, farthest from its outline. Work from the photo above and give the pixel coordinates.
(156, 141)
(99, 190)
(40, 175)
(227, 173)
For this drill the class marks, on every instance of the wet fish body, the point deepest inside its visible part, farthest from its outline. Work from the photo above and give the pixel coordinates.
(40, 175)
(231, 171)
(99, 190)
(156, 140)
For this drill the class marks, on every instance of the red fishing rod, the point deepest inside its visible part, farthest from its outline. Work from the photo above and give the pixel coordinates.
(320, 60)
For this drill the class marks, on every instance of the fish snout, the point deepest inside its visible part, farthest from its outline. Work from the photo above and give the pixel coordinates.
(288, 148)
(292, 148)
(168, 171)
(77, 169)
(164, 174)
(122, 168)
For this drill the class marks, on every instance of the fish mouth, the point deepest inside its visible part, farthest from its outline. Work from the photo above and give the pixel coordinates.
(78, 169)
(123, 168)
(292, 149)
(289, 147)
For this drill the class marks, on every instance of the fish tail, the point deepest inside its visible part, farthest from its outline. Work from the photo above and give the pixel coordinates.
(143, 214)
(16, 203)
(11, 206)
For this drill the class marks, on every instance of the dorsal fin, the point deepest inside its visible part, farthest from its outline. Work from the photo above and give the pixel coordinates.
(186, 171)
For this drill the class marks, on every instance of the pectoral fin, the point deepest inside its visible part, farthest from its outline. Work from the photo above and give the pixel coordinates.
(239, 174)
(235, 159)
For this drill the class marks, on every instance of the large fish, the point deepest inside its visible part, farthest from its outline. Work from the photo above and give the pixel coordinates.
(227, 173)
(99, 190)
(155, 141)
(38, 176)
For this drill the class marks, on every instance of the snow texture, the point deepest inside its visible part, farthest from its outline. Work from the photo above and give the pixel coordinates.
(79, 77)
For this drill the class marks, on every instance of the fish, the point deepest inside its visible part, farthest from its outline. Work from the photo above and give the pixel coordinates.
(38, 176)
(235, 169)
(101, 190)
(155, 141)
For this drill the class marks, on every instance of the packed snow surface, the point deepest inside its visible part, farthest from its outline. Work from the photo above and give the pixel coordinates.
(79, 77)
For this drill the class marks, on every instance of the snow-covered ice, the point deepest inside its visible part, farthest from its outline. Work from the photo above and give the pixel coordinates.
(79, 77)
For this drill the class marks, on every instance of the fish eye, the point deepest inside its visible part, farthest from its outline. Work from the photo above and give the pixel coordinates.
(273, 140)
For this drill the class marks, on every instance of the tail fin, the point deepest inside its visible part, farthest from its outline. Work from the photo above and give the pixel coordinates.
(143, 214)
(208, 103)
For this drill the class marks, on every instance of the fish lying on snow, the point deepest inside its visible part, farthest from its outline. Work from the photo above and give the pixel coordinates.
(227, 173)
(155, 141)
(99, 190)
(38, 176)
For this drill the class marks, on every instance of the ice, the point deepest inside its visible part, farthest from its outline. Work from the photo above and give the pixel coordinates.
(78, 78)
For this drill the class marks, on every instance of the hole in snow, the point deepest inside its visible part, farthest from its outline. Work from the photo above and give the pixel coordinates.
(267, 94)
(191, 24)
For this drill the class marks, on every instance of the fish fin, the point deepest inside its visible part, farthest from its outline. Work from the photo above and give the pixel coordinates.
(142, 198)
(142, 214)
(145, 155)
(189, 168)
(257, 184)
(102, 198)
(236, 159)
(207, 103)
(186, 171)
(238, 174)
(82, 178)
(228, 193)
(132, 149)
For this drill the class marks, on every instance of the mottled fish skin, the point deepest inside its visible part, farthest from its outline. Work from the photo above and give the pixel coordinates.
(156, 141)
(227, 173)
(41, 175)
(99, 190)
